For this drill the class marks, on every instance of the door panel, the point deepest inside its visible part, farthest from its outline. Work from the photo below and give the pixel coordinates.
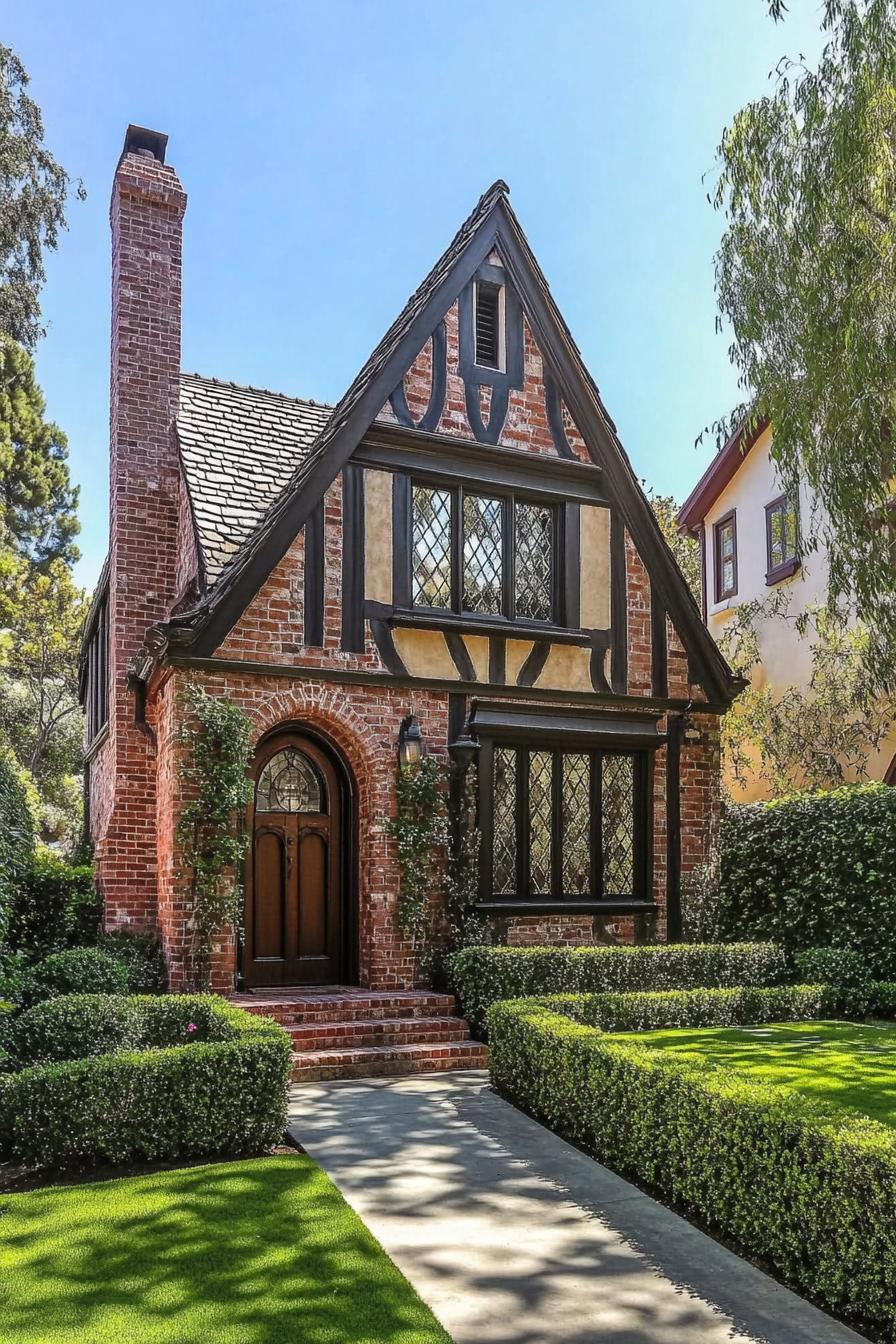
(295, 899)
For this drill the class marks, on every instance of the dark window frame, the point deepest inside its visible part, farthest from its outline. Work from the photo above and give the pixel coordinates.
(775, 573)
(729, 519)
(96, 698)
(559, 601)
(595, 899)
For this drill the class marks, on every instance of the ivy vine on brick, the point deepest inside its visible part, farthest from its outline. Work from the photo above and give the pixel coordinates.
(214, 774)
(420, 832)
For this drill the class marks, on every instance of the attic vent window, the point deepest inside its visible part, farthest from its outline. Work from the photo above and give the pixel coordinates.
(488, 324)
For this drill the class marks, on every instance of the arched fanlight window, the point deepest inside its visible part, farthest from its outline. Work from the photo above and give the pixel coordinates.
(289, 783)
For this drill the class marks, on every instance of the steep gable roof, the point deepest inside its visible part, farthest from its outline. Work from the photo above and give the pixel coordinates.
(239, 447)
(492, 223)
(720, 472)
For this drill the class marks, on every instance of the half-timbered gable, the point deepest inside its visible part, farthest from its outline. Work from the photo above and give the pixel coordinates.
(461, 539)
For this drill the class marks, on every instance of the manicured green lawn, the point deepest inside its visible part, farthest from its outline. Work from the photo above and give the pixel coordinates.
(256, 1252)
(849, 1064)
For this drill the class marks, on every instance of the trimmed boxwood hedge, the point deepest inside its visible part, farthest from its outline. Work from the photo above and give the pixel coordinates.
(660, 1009)
(814, 870)
(187, 1076)
(792, 1180)
(79, 970)
(483, 975)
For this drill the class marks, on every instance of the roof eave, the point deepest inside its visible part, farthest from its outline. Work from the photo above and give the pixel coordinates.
(720, 472)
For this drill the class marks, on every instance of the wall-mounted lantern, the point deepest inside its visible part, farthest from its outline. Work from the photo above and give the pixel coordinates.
(689, 730)
(463, 751)
(411, 747)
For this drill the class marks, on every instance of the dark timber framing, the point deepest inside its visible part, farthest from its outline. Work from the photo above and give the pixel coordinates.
(353, 559)
(314, 577)
(492, 224)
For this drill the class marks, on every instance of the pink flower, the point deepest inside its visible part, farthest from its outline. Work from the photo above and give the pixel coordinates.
(191, 1026)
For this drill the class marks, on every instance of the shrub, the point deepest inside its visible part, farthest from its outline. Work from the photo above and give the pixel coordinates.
(483, 975)
(56, 906)
(80, 970)
(806, 1188)
(169, 1094)
(814, 870)
(142, 954)
(660, 1009)
(833, 966)
(16, 838)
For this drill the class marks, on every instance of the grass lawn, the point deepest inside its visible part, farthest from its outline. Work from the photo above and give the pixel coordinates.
(852, 1065)
(253, 1252)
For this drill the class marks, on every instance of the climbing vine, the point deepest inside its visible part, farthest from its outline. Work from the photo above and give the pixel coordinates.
(214, 775)
(420, 832)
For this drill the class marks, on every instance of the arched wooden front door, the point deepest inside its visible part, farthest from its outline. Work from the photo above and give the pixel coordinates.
(294, 925)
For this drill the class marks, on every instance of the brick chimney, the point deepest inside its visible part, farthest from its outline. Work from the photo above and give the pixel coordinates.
(146, 215)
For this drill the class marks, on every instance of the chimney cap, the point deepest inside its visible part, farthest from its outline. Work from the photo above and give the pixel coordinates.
(139, 140)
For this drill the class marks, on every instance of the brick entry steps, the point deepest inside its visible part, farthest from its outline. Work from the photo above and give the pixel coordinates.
(364, 1033)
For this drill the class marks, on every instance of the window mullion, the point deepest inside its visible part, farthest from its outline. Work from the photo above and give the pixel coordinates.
(508, 557)
(457, 549)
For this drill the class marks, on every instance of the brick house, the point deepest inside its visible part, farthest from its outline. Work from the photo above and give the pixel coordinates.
(461, 539)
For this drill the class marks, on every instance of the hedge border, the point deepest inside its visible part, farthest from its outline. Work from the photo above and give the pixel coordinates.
(481, 976)
(224, 1095)
(807, 1188)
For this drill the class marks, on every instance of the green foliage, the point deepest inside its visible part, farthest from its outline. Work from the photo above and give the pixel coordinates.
(16, 839)
(217, 752)
(56, 906)
(655, 1009)
(483, 975)
(806, 278)
(794, 737)
(790, 1180)
(420, 832)
(833, 966)
(34, 189)
(166, 1095)
(80, 970)
(815, 870)
(142, 954)
(685, 549)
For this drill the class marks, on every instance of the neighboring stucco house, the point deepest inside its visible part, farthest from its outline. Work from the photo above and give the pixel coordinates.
(748, 532)
(461, 538)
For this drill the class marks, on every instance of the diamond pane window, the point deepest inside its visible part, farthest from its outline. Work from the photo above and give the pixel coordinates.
(576, 824)
(289, 783)
(618, 824)
(431, 547)
(540, 818)
(534, 547)
(483, 554)
(504, 861)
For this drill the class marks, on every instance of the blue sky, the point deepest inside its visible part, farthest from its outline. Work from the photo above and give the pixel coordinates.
(330, 150)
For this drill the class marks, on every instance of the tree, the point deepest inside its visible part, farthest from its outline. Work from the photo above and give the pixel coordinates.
(684, 548)
(38, 518)
(39, 712)
(33, 194)
(806, 277)
(793, 738)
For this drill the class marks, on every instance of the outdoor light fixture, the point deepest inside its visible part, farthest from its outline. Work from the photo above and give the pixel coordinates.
(689, 730)
(411, 747)
(463, 750)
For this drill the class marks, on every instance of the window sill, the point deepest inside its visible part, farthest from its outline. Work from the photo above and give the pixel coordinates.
(470, 624)
(547, 907)
(93, 747)
(785, 571)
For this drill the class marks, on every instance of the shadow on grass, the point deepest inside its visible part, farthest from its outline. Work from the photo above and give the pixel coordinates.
(252, 1252)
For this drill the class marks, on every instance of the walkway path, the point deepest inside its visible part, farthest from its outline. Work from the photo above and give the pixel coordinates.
(514, 1237)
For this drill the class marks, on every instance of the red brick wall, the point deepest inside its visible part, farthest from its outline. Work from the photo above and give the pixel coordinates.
(146, 215)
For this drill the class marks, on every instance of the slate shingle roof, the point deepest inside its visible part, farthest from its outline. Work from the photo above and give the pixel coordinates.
(239, 447)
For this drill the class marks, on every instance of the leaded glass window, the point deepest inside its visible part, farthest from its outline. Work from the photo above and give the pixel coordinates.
(534, 549)
(289, 783)
(488, 555)
(504, 843)
(540, 817)
(483, 554)
(431, 547)
(565, 826)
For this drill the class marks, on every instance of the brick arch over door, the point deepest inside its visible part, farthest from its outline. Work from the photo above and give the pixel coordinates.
(367, 748)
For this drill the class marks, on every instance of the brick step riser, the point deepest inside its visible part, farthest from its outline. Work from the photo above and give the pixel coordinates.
(350, 1036)
(385, 1066)
(296, 1015)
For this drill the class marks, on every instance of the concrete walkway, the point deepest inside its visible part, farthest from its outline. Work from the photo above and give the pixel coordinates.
(513, 1237)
